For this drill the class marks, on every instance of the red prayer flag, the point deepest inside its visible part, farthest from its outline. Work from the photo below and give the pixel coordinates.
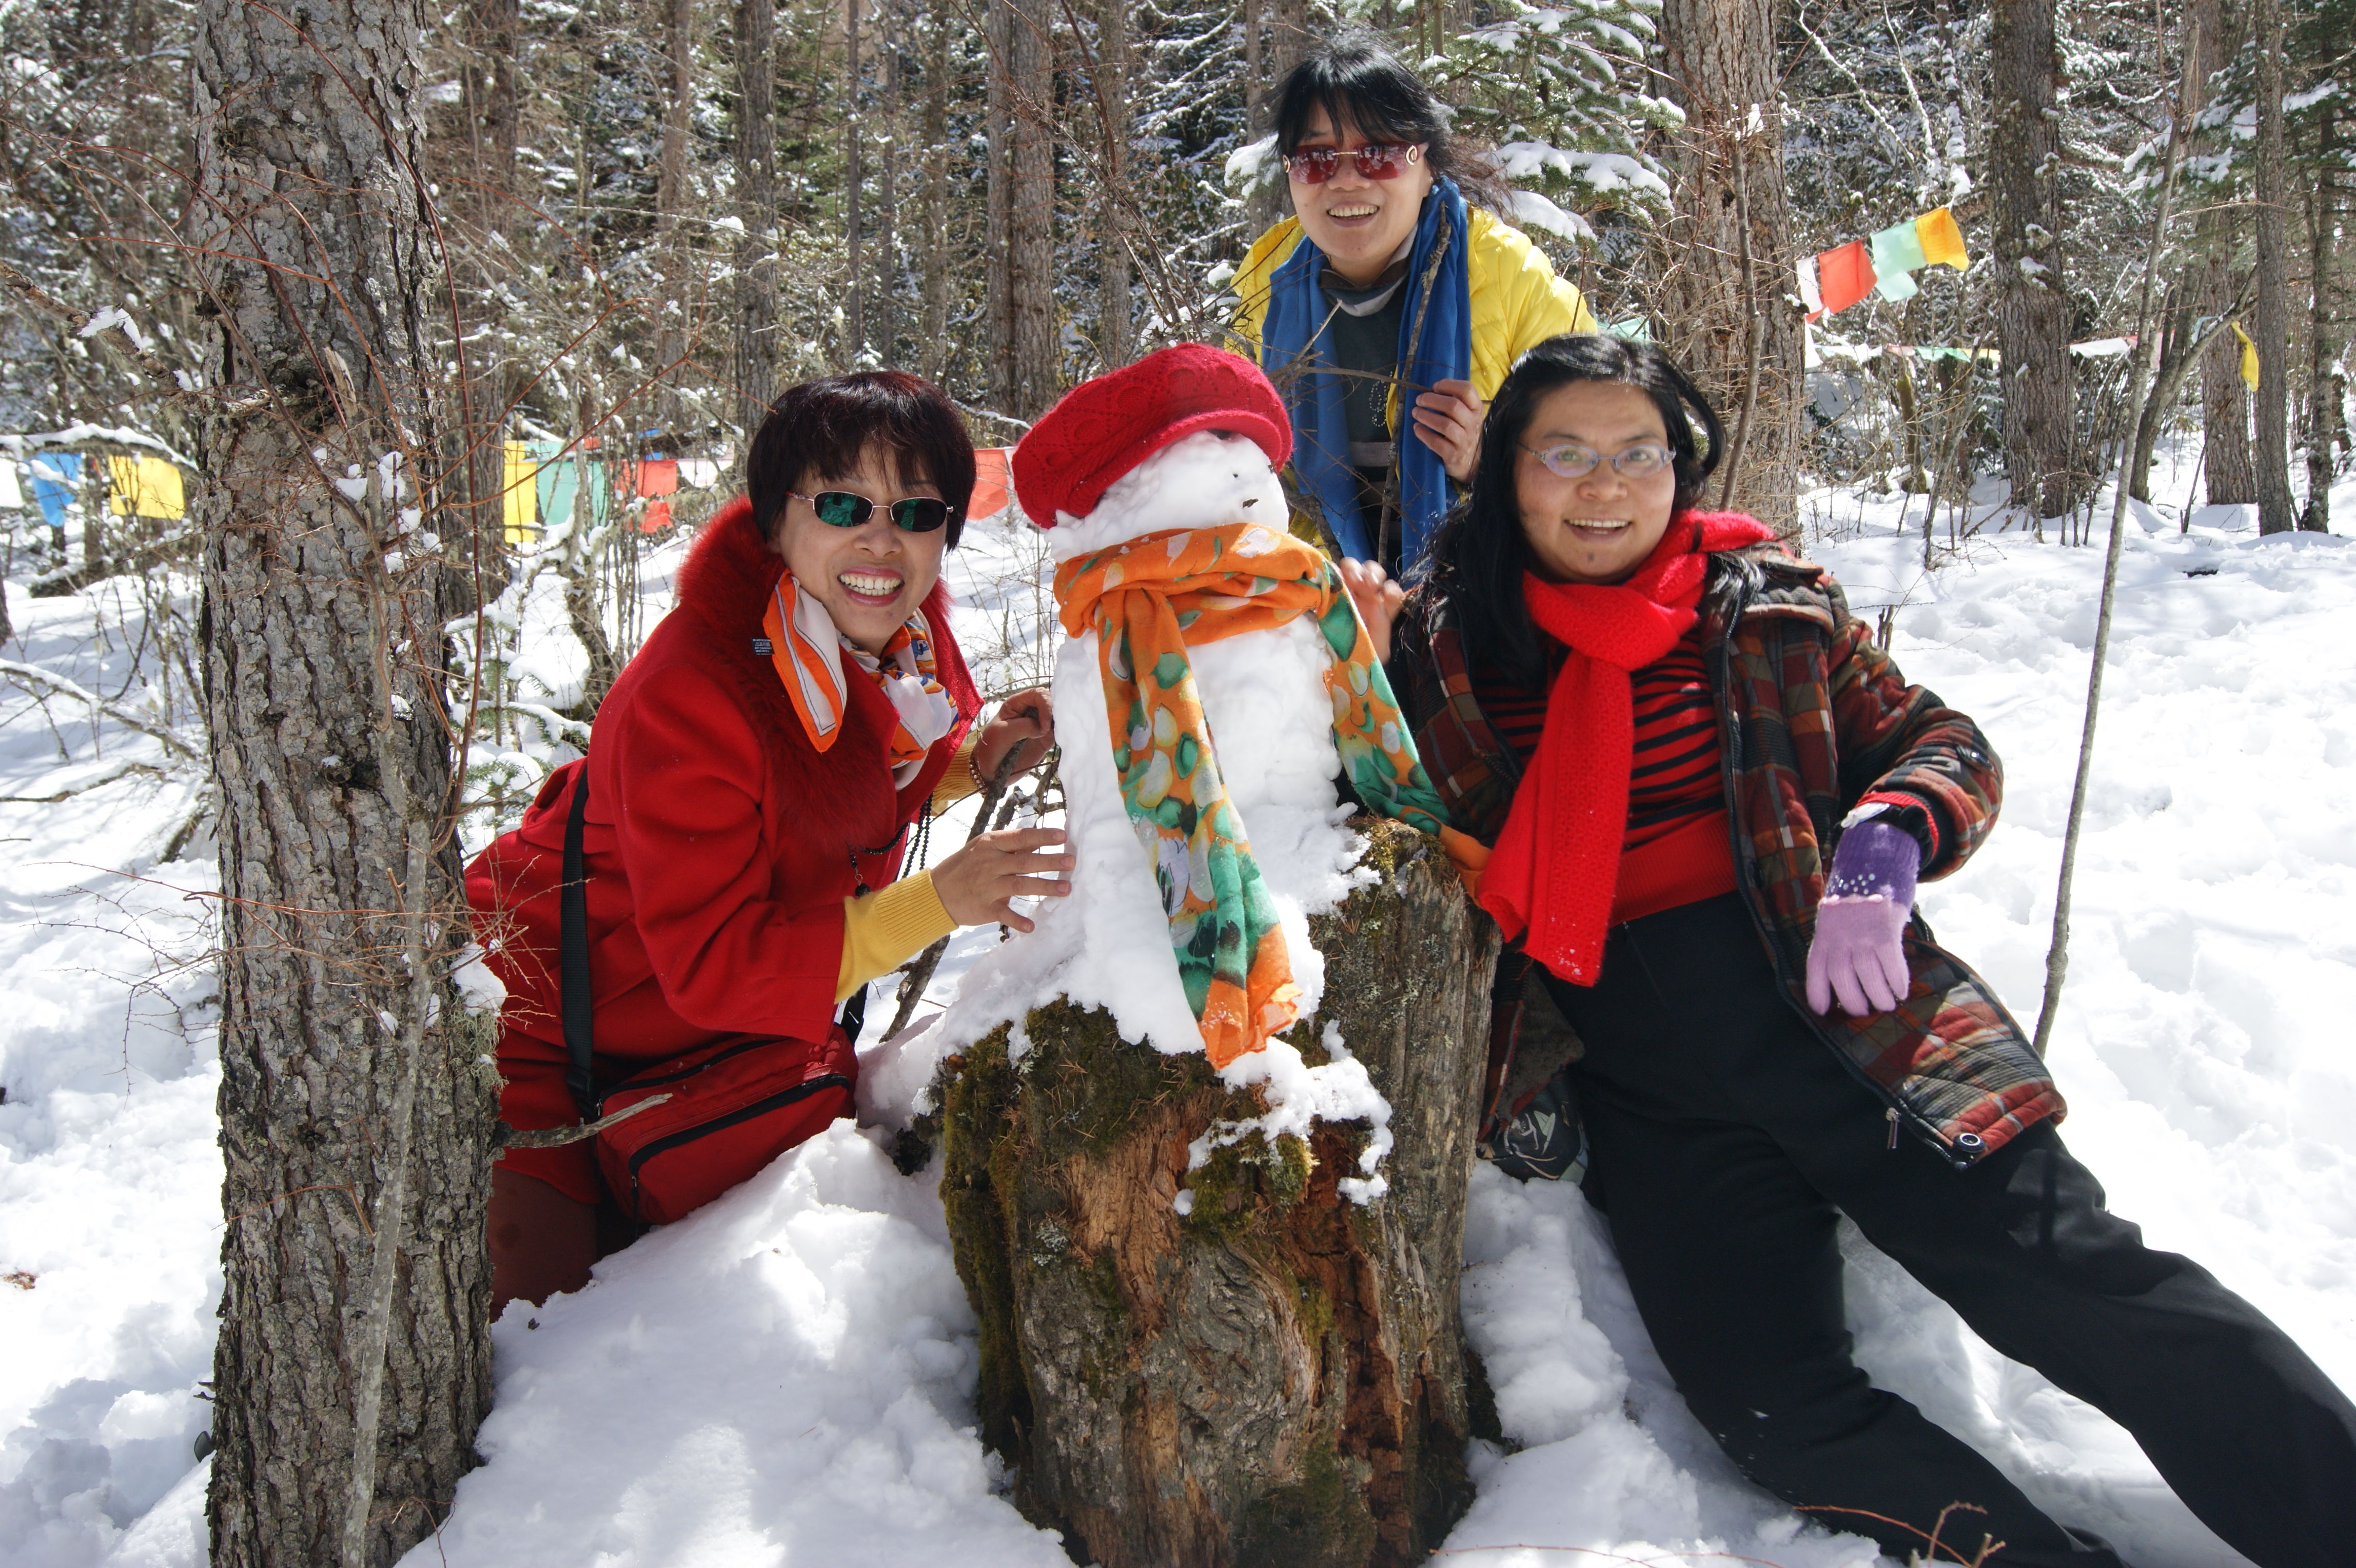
(659, 477)
(988, 482)
(655, 519)
(1845, 276)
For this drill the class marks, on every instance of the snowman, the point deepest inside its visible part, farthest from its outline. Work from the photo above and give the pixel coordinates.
(1216, 686)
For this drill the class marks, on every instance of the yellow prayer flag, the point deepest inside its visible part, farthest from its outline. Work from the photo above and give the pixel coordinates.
(519, 491)
(1941, 240)
(2249, 358)
(146, 486)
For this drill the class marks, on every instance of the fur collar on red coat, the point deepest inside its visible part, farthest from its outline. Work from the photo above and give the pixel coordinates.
(725, 586)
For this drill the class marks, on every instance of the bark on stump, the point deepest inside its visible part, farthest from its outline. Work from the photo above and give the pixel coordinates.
(1279, 1376)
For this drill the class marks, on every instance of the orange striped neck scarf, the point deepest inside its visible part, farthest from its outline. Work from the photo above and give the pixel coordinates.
(808, 653)
(1146, 599)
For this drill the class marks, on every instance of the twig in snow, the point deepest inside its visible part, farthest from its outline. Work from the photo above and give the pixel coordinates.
(918, 973)
(34, 676)
(557, 1137)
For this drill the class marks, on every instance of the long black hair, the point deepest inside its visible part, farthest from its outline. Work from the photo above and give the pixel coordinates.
(1478, 558)
(1361, 84)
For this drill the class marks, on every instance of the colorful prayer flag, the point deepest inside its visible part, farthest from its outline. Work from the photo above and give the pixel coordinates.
(519, 488)
(12, 498)
(145, 486)
(2249, 358)
(989, 483)
(1896, 249)
(1941, 240)
(1845, 276)
(1809, 294)
(1895, 286)
(55, 475)
(655, 517)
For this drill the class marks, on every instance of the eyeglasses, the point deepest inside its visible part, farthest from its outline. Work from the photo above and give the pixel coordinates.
(1566, 461)
(910, 514)
(1382, 160)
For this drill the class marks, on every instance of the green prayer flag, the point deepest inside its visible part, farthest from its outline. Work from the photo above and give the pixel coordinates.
(1898, 249)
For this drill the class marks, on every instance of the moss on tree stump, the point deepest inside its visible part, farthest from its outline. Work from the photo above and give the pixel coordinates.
(1277, 1376)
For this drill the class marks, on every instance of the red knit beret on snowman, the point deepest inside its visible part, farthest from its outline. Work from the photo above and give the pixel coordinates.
(1105, 427)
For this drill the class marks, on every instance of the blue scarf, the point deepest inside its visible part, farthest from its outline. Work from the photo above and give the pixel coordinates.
(1433, 348)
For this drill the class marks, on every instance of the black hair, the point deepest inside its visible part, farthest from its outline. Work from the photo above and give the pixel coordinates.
(1480, 554)
(822, 428)
(1361, 84)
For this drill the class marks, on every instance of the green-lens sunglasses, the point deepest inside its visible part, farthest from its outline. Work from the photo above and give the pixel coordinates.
(910, 514)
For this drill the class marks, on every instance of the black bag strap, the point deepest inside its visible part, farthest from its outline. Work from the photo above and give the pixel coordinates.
(573, 955)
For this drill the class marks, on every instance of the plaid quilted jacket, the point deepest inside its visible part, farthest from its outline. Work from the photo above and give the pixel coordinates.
(1813, 718)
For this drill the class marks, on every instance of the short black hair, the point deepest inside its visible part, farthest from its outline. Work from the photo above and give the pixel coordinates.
(1480, 554)
(822, 428)
(1360, 84)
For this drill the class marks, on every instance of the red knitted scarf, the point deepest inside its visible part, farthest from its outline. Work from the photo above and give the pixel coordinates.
(1557, 861)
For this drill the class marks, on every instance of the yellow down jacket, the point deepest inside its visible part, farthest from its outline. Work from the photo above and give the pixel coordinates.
(1517, 301)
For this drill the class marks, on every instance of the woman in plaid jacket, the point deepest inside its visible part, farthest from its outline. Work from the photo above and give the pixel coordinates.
(1708, 797)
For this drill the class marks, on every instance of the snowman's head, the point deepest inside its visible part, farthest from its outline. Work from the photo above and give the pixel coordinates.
(1186, 437)
(1203, 481)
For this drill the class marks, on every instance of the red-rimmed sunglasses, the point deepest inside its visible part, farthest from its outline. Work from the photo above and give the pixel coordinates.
(1376, 160)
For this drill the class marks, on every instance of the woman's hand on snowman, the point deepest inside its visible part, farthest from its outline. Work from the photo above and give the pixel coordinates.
(1448, 420)
(1857, 955)
(1378, 600)
(982, 881)
(1024, 728)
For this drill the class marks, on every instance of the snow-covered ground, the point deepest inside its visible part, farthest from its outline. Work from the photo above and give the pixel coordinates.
(787, 1376)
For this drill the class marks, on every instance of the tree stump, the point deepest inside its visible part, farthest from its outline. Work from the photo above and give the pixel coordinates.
(1277, 1376)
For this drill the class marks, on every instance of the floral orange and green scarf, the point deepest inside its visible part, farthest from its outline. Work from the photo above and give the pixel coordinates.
(1145, 599)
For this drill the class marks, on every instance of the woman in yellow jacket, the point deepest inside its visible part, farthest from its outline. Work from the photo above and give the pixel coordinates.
(1386, 287)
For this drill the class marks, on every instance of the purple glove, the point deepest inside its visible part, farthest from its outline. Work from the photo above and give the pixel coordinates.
(1856, 955)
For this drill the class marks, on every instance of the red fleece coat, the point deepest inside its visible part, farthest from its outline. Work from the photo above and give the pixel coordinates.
(719, 847)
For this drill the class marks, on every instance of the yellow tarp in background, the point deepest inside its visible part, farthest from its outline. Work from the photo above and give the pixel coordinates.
(519, 489)
(146, 486)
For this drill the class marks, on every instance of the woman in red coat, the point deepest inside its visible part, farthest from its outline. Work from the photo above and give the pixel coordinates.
(751, 780)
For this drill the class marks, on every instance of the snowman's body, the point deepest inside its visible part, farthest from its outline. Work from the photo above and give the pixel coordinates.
(1265, 701)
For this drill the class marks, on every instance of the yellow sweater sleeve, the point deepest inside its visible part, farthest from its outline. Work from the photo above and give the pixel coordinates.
(958, 782)
(885, 930)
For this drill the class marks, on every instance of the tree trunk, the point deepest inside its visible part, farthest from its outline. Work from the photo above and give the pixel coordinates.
(885, 332)
(2225, 400)
(497, 22)
(1278, 1376)
(1031, 211)
(757, 205)
(998, 120)
(1115, 338)
(2323, 344)
(353, 1364)
(677, 19)
(1265, 202)
(1731, 321)
(853, 179)
(2270, 321)
(934, 351)
(2177, 357)
(2033, 315)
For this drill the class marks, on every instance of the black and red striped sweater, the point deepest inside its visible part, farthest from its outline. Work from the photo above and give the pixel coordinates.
(1675, 849)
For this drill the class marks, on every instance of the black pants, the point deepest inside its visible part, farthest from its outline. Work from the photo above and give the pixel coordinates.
(1725, 1139)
